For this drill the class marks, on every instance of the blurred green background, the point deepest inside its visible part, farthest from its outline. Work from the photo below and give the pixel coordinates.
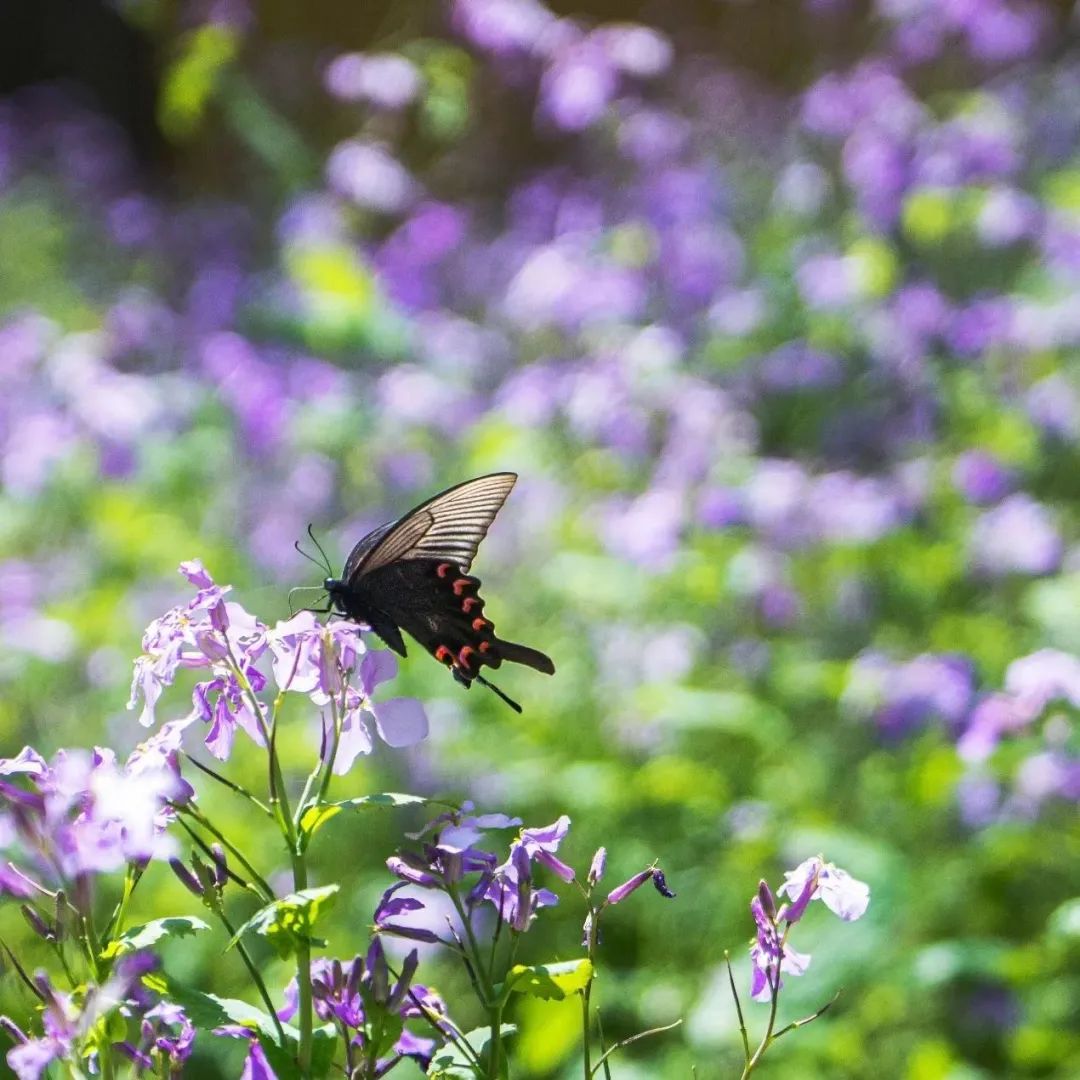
(771, 305)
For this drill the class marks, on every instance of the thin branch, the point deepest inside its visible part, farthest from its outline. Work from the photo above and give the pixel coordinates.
(738, 1008)
(808, 1019)
(231, 785)
(633, 1039)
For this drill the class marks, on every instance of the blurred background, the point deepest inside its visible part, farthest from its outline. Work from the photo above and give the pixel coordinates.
(772, 306)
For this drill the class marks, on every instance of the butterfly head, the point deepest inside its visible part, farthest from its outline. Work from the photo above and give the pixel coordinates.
(334, 588)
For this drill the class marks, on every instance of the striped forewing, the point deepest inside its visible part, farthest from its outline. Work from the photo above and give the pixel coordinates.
(449, 526)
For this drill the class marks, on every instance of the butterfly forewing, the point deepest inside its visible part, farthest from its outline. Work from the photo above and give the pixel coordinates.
(447, 527)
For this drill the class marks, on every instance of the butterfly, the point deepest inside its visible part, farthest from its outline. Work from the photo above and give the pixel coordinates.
(413, 575)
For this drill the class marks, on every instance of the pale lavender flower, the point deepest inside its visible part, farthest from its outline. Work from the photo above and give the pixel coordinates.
(502, 27)
(387, 80)
(81, 815)
(541, 844)
(815, 879)
(578, 85)
(510, 890)
(207, 632)
(369, 176)
(1042, 677)
(770, 957)
(1018, 536)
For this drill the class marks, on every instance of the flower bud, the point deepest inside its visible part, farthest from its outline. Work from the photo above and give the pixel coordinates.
(765, 896)
(617, 895)
(596, 869)
(212, 646)
(221, 865)
(187, 878)
(37, 923)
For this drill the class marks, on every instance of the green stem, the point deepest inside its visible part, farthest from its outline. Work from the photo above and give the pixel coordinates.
(226, 782)
(767, 1038)
(262, 885)
(303, 975)
(738, 1009)
(586, 1042)
(256, 978)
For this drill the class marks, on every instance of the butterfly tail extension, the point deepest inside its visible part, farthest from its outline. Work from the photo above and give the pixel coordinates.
(522, 654)
(495, 690)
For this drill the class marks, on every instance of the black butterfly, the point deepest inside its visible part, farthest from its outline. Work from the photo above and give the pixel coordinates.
(413, 575)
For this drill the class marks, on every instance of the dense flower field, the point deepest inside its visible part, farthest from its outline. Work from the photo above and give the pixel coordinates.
(786, 364)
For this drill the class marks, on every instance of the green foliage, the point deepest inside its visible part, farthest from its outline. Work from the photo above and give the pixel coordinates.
(289, 923)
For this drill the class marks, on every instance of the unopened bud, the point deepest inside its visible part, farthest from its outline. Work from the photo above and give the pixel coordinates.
(765, 897)
(596, 868)
(37, 923)
(221, 865)
(187, 878)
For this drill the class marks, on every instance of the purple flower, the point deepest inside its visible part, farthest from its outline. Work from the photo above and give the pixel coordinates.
(81, 815)
(256, 1066)
(208, 632)
(980, 477)
(541, 844)
(651, 873)
(509, 889)
(386, 80)
(502, 27)
(370, 177)
(319, 661)
(815, 879)
(1018, 536)
(166, 1030)
(596, 868)
(770, 955)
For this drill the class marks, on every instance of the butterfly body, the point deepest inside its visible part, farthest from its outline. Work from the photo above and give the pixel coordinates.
(412, 575)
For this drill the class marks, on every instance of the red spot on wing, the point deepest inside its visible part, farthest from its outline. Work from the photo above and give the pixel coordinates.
(443, 569)
(484, 646)
(461, 585)
(463, 656)
(479, 624)
(444, 655)
(469, 603)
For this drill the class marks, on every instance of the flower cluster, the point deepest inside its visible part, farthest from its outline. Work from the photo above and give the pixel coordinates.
(813, 879)
(210, 633)
(369, 1005)
(82, 814)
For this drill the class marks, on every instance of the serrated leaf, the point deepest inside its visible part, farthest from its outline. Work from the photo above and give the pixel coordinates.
(315, 817)
(552, 982)
(452, 1063)
(142, 937)
(288, 923)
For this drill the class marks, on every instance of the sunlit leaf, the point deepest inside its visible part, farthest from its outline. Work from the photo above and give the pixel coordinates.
(289, 923)
(148, 934)
(553, 982)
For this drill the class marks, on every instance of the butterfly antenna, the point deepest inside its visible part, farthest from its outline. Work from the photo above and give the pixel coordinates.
(329, 568)
(296, 544)
(491, 686)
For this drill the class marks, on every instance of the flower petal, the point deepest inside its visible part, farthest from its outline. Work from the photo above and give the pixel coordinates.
(400, 721)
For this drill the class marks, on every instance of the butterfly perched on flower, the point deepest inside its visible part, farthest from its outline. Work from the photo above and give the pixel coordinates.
(413, 575)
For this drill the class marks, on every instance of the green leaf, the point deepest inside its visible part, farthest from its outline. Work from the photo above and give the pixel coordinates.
(315, 817)
(553, 982)
(210, 1011)
(142, 937)
(288, 923)
(452, 1063)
